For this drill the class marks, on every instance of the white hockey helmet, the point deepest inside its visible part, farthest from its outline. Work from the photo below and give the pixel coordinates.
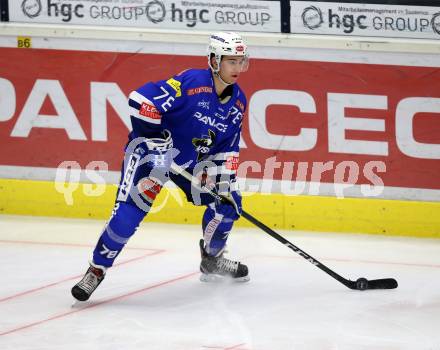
(227, 44)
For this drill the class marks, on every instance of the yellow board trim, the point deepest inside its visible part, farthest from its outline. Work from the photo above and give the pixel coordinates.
(310, 213)
(24, 42)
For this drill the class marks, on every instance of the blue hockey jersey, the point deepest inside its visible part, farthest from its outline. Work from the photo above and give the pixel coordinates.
(202, 127)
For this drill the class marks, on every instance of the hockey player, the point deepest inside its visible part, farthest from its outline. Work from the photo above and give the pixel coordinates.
(193, 119)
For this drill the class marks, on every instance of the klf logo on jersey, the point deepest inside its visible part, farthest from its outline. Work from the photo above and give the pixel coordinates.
(149, 110)
(204, 144)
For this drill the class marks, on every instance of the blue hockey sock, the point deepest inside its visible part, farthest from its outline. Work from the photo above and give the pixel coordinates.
(216, 228)
(118, 230)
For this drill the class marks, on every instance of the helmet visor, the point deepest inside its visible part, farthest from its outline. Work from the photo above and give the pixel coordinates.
(240, 62)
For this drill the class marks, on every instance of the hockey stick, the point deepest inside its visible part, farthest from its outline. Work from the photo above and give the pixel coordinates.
(360, 284)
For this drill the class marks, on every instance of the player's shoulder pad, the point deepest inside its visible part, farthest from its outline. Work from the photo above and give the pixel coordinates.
(197, 81)
(186, 80)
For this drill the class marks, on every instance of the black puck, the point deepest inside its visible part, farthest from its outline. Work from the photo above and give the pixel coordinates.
(362, 283)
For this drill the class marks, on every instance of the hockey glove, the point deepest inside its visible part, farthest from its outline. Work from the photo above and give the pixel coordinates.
(232, 209)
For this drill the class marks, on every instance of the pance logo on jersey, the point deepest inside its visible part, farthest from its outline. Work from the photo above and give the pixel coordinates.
(149, 111)
(204, 144)
(175, 84)
(199, 90)
(208, 120)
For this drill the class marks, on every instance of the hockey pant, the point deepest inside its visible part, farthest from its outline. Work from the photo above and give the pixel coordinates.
(136, 194)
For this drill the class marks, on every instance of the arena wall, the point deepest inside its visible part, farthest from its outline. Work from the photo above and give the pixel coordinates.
(341, 133)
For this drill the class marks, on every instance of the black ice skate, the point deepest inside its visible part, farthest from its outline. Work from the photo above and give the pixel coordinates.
(217, 268)
(91, 280)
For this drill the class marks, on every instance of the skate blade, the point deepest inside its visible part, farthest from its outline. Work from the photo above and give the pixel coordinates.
(76, 303)
(211, 278)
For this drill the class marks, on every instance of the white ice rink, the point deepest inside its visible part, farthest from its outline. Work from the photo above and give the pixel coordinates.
(153, 299)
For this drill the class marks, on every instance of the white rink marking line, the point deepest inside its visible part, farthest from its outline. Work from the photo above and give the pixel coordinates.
(78, 307)
(413, 260)
(152, 253)
(91, 305)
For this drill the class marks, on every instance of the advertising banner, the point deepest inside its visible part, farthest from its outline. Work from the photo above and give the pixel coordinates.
(254, 16)
(363, 124)
(389, 21)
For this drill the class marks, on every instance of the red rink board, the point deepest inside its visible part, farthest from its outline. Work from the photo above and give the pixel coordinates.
(75, 70)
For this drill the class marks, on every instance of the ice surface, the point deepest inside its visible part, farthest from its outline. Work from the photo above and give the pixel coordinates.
(153, 299)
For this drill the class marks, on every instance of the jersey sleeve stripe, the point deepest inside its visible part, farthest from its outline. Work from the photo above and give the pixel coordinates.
(134, 104)
(135, 113)
(142, 108)
(137, 97)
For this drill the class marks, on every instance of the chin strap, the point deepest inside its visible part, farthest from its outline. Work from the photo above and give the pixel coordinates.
(220, 78)
(227, 92)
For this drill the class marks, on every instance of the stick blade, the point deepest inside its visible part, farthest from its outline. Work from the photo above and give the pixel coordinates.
(384, 283)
